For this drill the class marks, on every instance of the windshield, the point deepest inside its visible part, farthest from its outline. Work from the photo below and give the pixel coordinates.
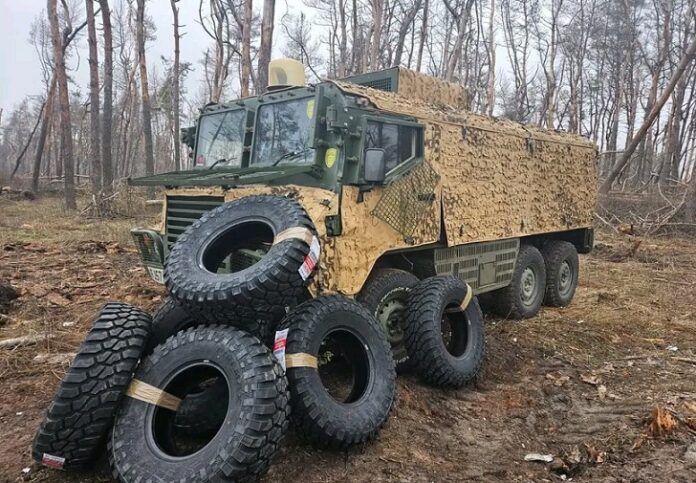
(221, 139)
(283, 133)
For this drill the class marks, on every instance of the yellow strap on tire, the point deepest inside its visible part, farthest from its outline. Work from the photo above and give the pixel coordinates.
(304, 234)
(143, 391)
(300, 359)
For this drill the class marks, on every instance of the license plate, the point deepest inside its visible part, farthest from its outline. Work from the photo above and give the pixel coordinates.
(157, 274)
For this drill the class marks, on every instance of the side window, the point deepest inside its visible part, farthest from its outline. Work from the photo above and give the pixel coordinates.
(398, 142)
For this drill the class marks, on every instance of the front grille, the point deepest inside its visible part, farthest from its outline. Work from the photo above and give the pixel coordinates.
(182, 211)
(149, 246)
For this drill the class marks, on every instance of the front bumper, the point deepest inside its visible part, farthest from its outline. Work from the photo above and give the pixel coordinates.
(151, 248)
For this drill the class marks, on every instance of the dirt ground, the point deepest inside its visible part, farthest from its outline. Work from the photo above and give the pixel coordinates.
(607, 386)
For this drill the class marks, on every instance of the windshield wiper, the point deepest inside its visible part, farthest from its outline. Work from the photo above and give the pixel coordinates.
(291, 154)
(221, 160)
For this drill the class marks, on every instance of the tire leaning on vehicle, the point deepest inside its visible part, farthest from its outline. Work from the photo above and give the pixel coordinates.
(324, 336)
(82, 411)
(144, 445)
(434, 312)
(253, 298)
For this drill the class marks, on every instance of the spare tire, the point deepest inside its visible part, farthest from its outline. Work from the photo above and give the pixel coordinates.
(275, 227)
(445, 341)
(168, 319)
(72, 433)
(324, 343)
(145, 444)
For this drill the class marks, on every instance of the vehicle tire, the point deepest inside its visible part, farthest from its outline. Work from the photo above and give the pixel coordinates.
(81, 413)
(202, 412)
(169, 319)
(341, 335)
(562, 269)
(523, 297)
(385, 294)
(144, 444)
(259, 292)
(446, 345)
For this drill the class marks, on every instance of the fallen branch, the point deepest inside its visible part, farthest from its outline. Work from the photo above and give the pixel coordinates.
(685, 359)
(15, 342)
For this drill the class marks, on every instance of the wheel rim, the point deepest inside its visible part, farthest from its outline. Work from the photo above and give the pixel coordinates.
(566, 277)
(389, 314)
(529, 288)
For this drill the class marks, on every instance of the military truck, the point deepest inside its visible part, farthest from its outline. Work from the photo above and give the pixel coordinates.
(402, 182)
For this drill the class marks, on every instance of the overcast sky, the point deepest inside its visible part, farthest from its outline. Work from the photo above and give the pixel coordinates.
(20, 71)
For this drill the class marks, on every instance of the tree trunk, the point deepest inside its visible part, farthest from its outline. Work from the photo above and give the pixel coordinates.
(626, 157)
(377, 14)
(176, 93)
(43, 134)
(107, 162)
(266, 45)
(423, 36)
(144, 85)
(66, 144)
(94, 152)
(490, 94)
(245, 75)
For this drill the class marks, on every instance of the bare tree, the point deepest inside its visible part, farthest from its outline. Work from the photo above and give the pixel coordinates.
(106, 144)
(144, 87)
(266, 45)
(94, 148)
(175, 87)
(66, 144)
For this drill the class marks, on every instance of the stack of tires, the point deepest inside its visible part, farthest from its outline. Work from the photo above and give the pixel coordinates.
(203, 391)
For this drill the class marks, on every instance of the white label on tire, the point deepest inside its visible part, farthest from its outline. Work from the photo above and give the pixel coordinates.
(311, 259)
(281, 341)
(55, 462)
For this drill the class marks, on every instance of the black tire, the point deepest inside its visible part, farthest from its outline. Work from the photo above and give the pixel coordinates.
(169, 319)
(143, 445)
(562, 270)
(433, 308)
(385, 294)
(355, 338)
(260, 292)
(525, 294)
(82, 411)
(202, 412)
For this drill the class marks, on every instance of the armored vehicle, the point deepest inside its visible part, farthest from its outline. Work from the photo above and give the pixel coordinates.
(402, 182)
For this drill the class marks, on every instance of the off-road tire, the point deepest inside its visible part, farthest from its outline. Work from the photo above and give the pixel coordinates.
(429, 303)
(559, 290)
(254, 298)
(255, 424)
(318, 417)
(385, 287)
(169, 319)
(509, 300)
(82, 411)
(201, 413)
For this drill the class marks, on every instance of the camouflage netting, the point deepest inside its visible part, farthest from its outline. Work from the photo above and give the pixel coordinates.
(500, 179)
(414, 85)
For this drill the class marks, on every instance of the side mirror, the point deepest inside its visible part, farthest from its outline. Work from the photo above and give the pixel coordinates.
(375, 168)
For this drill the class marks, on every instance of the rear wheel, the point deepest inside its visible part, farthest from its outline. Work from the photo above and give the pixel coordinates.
(562, 267)
(523, 297)
(386, 294)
